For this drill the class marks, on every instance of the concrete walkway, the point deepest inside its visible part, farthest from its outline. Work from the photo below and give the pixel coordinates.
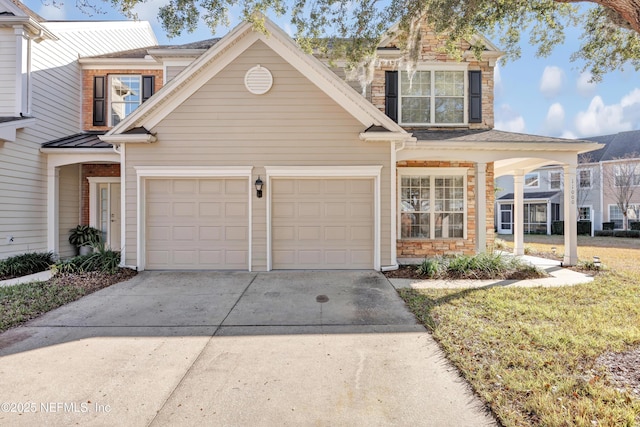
(558, 276)
(233, 349)
(36, 277)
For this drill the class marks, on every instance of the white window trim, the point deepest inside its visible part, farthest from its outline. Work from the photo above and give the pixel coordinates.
(109, 93)
(149, 172)
(590, 207)
(464, 172)
(438, 67)
(561, 179)
(579, 172)
(524, 180)
(327, 172)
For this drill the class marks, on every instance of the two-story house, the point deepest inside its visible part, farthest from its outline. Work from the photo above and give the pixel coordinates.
(246, 153)
(40, 94)
(601, 180)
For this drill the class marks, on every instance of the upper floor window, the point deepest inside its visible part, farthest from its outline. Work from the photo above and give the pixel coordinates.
(432, 97)
(125, 96)
(584, 178)
(627, 174)
(118, 95)
(555, 180)
(532, 180)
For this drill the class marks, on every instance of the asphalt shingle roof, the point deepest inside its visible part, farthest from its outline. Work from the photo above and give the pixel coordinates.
(469, 135)
(544, 195)
(144, 51)
(617, 146)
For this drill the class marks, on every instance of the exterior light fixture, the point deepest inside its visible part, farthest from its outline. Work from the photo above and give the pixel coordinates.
(596, 262)
(259, 185)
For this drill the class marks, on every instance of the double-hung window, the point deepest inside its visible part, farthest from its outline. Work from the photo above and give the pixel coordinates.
(432, 203)
(555, 180)
(435, 97)
(584, 178)
(125, 96)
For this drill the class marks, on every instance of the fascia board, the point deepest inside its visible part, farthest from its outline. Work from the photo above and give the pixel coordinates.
(144, 138)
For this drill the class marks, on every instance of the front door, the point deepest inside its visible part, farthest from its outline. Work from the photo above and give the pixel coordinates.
(506, 219)
(109, 213)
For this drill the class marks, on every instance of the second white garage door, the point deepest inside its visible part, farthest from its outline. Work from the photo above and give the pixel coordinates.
(322, 223)
(197, 224)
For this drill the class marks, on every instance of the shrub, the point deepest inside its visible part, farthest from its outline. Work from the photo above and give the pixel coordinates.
(584, 227)
(626, 233)
(608, 225)
(604, 233)
(635, 225)
(500, 244)
(557, 227)
(84, 235)
(103, 260)
(430, 268)
(25, 264)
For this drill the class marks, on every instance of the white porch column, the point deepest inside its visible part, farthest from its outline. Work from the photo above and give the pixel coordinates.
(53, 235)
(570, 217)
(518, 212)
(549, 217)
(481, 207)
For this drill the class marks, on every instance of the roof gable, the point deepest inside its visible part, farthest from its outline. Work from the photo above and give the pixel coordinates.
(226, 51)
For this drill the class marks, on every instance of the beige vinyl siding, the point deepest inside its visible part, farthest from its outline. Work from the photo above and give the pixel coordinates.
(223, 124)
(7, 72)
(174, 70)
(69, 179)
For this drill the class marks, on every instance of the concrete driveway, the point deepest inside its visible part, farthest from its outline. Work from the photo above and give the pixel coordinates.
(233, 348)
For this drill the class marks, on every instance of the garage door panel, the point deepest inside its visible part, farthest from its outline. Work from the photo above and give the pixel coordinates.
(185, 186)
(309, 233)
(332, 226)
(212, 209)
(197, 223)
(235, 233)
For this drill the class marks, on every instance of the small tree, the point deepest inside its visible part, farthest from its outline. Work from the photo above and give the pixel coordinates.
(623, 179)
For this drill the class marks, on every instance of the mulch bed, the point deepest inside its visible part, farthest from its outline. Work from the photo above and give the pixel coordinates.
(92, 281)
(409, 272)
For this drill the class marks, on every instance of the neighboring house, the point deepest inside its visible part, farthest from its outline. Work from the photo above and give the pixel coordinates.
(40, 94)
(599, 181)
(177, 140)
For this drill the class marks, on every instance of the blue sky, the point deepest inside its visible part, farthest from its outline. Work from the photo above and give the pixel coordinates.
(543, 96)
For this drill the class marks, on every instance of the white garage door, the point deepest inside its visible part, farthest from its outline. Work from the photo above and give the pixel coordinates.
(197, 224)
(322, 223)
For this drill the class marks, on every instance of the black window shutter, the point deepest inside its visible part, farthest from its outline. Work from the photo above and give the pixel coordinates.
(99, 101)
(475, 96)
(391, 94)
(148, 83)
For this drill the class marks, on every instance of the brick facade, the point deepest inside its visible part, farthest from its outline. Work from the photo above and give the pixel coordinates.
(421, 248)
(432, 52)
(92, 170)
(87, 92)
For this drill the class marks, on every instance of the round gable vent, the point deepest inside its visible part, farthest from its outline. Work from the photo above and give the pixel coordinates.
(258, 80)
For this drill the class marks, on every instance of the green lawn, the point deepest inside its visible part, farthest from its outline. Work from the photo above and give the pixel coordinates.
(531, 353)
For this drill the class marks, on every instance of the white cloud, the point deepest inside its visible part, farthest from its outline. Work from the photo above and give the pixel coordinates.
(509, 120)
(584, 86)
(567, 134)
(53, 13)
(551, 81)
(554, 122)
(497, 82)
(601, 119)
(148, 11)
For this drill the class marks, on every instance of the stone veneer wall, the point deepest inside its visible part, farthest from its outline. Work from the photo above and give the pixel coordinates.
(432, 52)
(420, 248)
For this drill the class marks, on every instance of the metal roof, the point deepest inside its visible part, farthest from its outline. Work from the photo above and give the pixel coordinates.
(79, 140)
